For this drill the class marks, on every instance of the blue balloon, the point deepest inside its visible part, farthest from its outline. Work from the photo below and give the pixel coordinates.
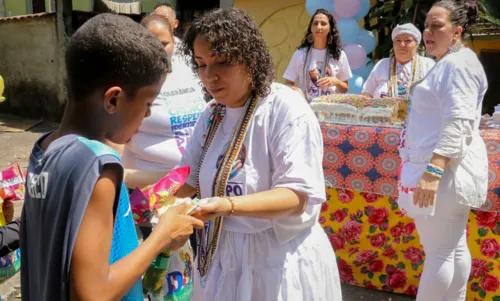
(313, 5)
(355, 84)
(366, 69)
(349, 29)
(367, 40)
(363, 10)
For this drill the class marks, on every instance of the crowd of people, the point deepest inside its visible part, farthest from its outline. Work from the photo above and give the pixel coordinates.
(142, 101)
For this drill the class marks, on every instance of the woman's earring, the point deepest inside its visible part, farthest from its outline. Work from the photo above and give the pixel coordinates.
(330, 39)
(310, 38)
(250, 80)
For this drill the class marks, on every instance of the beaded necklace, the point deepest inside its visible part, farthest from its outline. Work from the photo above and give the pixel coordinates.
(306, 69)
(392, 85)
(208, 238)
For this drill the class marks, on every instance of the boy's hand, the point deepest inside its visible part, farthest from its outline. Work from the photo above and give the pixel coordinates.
(176, 227)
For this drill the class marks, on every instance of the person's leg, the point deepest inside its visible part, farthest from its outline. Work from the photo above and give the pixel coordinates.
(463, 261)
(447, 262)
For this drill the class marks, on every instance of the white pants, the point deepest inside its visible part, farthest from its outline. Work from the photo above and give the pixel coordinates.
(255, 267)
(447, 258)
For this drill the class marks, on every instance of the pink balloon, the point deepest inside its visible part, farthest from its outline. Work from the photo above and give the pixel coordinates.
(356, 55)
(336, 16)
(346, 8)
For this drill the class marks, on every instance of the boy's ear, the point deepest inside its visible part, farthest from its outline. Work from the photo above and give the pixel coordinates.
(112, 97)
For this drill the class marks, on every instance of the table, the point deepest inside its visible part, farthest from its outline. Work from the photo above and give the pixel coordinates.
(376, 245)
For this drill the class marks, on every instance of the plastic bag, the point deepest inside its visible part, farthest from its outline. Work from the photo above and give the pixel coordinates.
(408, 180)
(172, 268)
(12, 184)
(159, 197)
(11, 188)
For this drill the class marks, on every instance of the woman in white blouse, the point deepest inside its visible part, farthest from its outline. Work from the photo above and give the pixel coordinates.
(393, 77)
(441, 143)
(256, 153)
(319, 67)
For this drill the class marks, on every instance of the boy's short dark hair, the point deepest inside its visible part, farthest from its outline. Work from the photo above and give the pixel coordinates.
(112, 50)
(164, 3)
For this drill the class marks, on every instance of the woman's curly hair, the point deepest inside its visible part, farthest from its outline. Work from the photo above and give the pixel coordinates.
(233, 35)
(335, 47)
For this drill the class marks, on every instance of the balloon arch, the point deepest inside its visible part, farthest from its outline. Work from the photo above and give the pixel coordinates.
(357, 42)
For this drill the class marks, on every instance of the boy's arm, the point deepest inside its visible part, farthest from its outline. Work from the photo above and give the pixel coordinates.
(92, 277)
(9, 237)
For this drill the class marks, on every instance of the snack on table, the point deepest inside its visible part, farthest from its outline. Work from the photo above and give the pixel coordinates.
(358, 109)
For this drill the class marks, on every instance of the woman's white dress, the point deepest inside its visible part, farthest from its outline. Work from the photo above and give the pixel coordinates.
(267, 260)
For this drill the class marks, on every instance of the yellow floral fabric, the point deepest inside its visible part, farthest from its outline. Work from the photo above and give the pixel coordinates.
(378, 247)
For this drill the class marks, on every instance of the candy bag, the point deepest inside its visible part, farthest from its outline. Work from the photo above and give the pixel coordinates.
(160, 195)
(173, 268)
(12, 184)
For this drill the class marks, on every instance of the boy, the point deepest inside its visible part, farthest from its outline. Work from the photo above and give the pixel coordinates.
(77, 235)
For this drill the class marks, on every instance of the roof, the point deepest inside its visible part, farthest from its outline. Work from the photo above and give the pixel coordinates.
(26, 17)
(485, 29)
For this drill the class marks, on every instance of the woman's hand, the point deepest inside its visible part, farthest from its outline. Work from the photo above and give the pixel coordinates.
(327, 82)
(425, 193)
(214, 207)
(8, 210)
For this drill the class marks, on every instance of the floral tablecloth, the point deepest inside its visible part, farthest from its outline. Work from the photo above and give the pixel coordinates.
(376, 245)
(366, 159)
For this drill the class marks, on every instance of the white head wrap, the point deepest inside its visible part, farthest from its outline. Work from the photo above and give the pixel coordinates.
(408, 29)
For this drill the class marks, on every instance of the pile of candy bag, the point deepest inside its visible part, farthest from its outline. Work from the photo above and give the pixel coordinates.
(12, 189)
(149, 206)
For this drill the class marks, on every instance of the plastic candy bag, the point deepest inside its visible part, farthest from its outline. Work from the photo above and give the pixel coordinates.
(11, 188)
(160, 196)
(12, 184)
(149, 206)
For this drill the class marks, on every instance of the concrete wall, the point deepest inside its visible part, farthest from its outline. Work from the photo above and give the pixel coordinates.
(31, 63)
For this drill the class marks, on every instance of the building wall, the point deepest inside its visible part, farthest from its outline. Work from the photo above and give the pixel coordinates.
(148, 5)
(283, 24)
(31, 64)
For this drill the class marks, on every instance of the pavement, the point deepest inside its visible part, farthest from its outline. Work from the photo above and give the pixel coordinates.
(16, 144)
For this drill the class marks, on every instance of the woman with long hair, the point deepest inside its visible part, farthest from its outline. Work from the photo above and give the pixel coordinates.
(444, 152)
(256, 159)
(319, 66)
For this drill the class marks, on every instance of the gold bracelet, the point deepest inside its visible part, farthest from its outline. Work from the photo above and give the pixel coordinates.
(232, 205)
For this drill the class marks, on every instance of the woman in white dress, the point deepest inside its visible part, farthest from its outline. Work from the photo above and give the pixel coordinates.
(256, 154)
(393, 77)
(319, 66)
(441, 145)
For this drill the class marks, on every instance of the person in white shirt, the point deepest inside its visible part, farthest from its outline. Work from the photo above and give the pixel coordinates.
(393, 77)
(158, 146)
(442, 144)
(319, 66)
(256, 159)
(160, 142)
(168, 11)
